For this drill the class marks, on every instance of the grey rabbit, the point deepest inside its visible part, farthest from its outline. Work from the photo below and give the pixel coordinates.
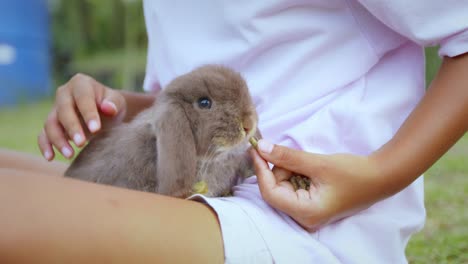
(196, 131)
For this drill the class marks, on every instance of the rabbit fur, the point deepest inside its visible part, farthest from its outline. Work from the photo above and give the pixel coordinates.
(178, 141)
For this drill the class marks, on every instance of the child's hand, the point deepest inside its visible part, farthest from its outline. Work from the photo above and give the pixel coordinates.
(341, 184)
(77, 111)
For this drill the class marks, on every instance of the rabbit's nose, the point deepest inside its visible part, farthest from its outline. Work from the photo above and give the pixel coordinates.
(248, 125)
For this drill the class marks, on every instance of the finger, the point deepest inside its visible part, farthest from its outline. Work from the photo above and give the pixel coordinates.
(45, 146)
(265, 176)
(112, 103)
(313, 221)
(311, 224)
(287, 185)
(276, 195)
(56, 135)
(84, 96)
(281, 174)
(297, 161)
(68, 119)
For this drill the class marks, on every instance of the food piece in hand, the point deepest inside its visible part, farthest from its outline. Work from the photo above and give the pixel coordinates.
(297, 181)
(254, 142)
(300, 182)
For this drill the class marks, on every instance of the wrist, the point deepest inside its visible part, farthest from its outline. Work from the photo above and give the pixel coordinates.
(389, 174)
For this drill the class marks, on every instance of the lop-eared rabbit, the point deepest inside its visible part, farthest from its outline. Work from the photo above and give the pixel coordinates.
(197, 131)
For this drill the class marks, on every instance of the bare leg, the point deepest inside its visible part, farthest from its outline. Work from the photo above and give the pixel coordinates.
(61, 220)
(24, 161)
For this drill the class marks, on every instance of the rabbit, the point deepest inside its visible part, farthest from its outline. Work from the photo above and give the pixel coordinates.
(196, 131)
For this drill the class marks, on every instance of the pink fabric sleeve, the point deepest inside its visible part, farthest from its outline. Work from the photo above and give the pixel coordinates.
(426, 22)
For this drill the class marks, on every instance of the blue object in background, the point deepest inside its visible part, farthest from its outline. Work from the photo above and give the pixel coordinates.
(24, 51)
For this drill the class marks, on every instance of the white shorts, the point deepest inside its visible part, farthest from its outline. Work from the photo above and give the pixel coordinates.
(254, 232)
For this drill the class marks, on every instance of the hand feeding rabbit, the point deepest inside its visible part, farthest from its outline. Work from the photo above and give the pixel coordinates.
(196, 131)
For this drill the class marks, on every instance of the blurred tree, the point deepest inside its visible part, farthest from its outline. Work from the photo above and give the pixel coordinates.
(92, 35)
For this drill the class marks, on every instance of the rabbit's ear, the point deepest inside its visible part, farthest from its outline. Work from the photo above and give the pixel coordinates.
(177, 155)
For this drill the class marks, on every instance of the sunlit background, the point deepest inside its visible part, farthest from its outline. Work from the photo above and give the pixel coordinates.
(45, 42)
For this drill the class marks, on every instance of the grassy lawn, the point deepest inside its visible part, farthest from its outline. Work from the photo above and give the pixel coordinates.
(21, 125)
(443, 240)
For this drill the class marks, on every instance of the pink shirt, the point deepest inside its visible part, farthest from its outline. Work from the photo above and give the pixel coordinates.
(326, 76)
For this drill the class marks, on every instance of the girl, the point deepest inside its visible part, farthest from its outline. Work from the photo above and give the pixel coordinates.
(327, 77)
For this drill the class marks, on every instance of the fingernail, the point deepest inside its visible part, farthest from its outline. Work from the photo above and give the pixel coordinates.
(66, 152)
(47, 155)
(78, 139)
(93, 126)
(265, 146)
(111, 104)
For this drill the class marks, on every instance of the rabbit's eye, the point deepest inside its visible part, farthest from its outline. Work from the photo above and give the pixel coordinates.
(204, 103)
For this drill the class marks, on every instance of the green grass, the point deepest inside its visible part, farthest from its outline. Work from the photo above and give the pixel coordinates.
(20, 126)
(444, 239)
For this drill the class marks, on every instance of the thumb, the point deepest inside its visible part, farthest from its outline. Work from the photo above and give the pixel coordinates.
(113, 103)
(287, 158)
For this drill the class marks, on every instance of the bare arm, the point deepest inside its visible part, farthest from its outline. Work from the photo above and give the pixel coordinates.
(345, 183)
(440, 119)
